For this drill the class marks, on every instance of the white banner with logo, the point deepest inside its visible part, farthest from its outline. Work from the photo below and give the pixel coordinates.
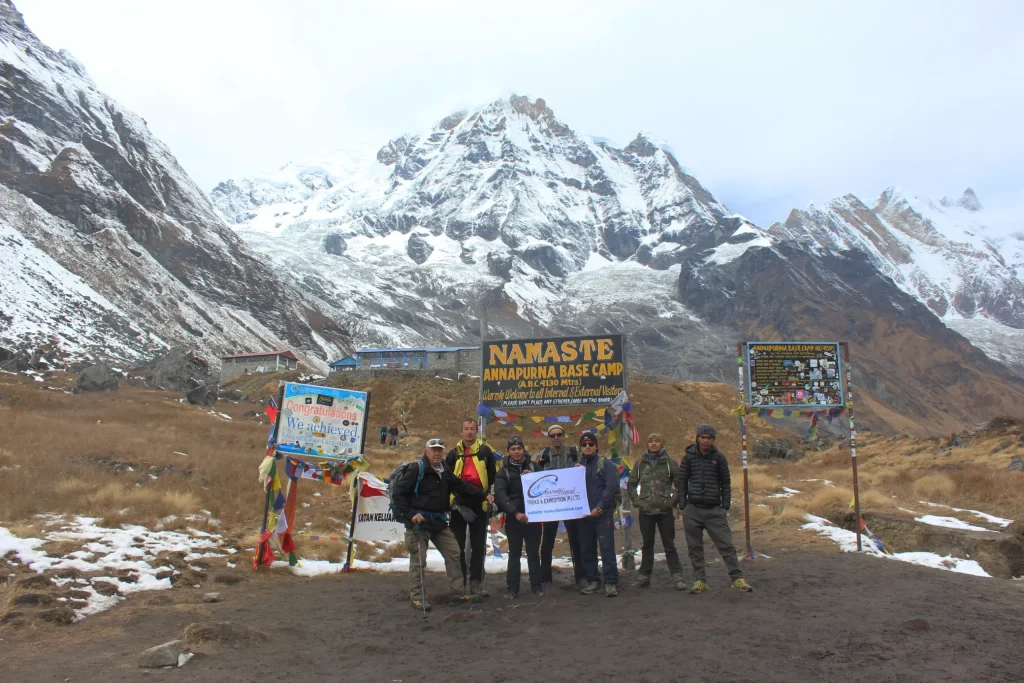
(556, 495)
(374, 519)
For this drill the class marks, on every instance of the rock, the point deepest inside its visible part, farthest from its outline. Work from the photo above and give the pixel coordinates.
(205, 395)
(918, 624)
(225, 633)
(232, 395)
(163, 655)
(98, 377)
(212, 597)
(418, 248)
(334, 243)
(778, 449)
(180, 370)
(1016, 465)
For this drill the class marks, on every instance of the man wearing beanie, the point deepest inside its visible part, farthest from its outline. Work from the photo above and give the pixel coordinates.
(555, 457)
(508, 492)
(656, 473)
(598, 529)
(705, 495)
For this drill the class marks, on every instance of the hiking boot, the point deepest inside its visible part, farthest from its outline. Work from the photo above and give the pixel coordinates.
(588, 587)
(643, 581)
(610, 590)
(477, 588)
(421, 605)
(539, 590)
(511, 594)
(545, 586)
(742, 585)
(462, 599)
(699, 586)
(680, 583)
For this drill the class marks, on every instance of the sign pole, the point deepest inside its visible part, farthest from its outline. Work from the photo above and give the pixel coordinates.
(853, 441)
(266, 503)
(352, 527)
(482, 421)
(743, 437)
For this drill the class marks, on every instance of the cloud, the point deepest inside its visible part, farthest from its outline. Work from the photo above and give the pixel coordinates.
(772, 105)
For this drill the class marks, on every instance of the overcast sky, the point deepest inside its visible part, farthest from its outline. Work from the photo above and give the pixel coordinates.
(772, 105)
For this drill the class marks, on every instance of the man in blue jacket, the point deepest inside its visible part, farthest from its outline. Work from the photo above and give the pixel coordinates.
(597, 529)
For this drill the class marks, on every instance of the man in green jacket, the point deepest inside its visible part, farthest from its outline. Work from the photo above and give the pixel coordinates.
(656, 474)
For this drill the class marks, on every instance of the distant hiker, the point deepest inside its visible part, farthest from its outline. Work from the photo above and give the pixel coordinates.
(421, 498)
(383, 435)
(656, 473)
(393, 432)
(508, 491)
(555, 457)
(472, 461)
(597, 530)
(705, 495)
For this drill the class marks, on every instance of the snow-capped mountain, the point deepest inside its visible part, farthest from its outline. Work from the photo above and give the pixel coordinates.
(957, 259)
(107, 244)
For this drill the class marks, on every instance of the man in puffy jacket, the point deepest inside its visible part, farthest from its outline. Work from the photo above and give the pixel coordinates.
(598, 529)
(508, 492)
(705, 495)
(472, 461)
(656, 473)
(422, 500)
(555, 457)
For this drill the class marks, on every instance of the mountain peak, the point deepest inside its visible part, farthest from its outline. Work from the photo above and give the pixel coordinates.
(641, 146)
(536, 110)
(969, 201)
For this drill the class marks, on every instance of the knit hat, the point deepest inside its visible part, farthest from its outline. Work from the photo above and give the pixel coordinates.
(515, 441)
(655, 435)
(555, 426)
(707, 429)
(587, 436)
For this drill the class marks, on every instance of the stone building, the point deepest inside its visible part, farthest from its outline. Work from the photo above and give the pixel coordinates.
(452, 360)
(264, 361)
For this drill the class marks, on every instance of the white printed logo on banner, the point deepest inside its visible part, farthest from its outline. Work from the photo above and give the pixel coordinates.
(556, 495)
(374, 519)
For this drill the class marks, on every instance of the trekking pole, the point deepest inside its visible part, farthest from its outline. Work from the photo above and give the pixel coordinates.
(423, 587)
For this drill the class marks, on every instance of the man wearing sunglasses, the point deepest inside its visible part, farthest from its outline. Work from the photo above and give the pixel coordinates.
(597, 530)
(558, 456)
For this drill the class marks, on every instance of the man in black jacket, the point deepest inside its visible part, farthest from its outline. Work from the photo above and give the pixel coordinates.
(472, 461)
(422, 500)
(705, 495)
(508, 491)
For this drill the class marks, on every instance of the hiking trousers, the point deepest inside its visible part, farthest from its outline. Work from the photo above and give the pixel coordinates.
(599, 533)
(444, 541)
(665, 525)
(547, 548)
(716, 522)
(477, 532)
(518, 533)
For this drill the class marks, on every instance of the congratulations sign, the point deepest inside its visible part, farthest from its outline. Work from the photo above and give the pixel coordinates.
(805, 375)
(564, 371)
(556, 495)
(321, 421)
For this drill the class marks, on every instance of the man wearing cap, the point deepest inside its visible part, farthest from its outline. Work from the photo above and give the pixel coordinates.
(421, 497)
(555, 457)
(655, 473)
(597, 530)
(508, 491)
(472, 461)
(705, 495)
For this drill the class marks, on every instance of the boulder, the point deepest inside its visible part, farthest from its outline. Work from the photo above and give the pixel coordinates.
(1016, 465)
(162, 655)
(212, 597)
(180, 370)
(232, 395)
(419, 249)
(204, 395)
(98, 377)
(775, 449)
(224, 633)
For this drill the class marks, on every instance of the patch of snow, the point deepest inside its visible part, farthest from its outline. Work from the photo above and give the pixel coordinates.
(950, 523)
(1001, 521)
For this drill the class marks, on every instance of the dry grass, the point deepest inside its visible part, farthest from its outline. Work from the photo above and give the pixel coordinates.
(791, 515)
(828, 499)
(934, 487)
(759, 516)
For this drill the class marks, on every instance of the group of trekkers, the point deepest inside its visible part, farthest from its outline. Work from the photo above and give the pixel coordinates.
(446, 499)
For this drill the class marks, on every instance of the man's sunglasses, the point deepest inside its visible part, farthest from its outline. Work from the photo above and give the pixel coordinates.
(553, 436)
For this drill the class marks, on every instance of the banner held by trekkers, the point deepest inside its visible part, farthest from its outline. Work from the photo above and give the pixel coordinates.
(561, 371)
(802, 375)
(556, 495)
(322, 421)
(374, 519)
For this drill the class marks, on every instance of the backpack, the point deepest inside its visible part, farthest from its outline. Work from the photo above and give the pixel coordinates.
(600, 472)
(571, 451)
(398, 473)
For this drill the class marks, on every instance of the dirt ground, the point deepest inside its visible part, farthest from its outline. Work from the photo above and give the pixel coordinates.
(814, 616)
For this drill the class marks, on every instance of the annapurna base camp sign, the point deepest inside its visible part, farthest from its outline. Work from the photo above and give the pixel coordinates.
(561, 371)
(803, 375)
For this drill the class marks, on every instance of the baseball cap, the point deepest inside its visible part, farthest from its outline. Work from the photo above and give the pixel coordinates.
(435, 443)
(588, 438)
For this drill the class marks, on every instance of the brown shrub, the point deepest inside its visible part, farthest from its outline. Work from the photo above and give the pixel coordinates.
(829, 498)
(933, 487)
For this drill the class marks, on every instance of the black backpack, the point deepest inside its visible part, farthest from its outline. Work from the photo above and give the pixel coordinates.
(396, 474)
